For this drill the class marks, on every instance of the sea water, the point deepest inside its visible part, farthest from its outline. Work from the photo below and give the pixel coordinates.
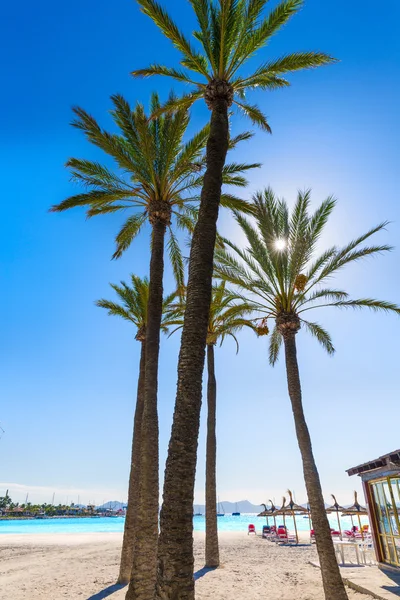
(116, 524)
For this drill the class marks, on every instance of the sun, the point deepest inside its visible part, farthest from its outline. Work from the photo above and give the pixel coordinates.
(280, 244)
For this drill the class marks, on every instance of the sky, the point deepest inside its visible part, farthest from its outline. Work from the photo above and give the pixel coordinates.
(68, 372)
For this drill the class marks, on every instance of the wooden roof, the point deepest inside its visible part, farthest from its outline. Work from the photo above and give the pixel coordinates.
(387, 460)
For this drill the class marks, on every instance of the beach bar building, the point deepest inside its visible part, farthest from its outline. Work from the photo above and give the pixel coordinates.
(381, 483)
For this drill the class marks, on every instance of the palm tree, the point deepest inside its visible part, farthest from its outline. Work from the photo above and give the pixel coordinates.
(156, 176)
(227, 317)
(133, 308)
(284, 280)
(229, 33)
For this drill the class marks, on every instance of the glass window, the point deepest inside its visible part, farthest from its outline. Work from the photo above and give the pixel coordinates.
(386, 496)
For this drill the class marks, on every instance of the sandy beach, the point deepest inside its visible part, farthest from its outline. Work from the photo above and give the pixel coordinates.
(85, 566)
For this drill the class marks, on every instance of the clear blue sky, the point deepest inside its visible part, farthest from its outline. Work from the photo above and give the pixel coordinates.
(68, 372)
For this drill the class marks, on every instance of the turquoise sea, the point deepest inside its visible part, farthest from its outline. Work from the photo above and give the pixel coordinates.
(112, 525)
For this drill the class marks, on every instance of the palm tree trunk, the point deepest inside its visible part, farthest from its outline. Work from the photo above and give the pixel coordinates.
(143, 576)
(130, 528)
(333, 584)
(212, 551)
(175, 553)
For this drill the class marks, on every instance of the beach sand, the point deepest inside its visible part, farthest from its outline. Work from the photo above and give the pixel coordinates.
(83, 566)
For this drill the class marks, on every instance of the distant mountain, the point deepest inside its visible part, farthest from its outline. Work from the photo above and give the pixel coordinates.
(243, 506)
(111, 505)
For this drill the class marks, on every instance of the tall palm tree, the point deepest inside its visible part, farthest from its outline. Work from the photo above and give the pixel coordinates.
(155, 178)
(283, 280)
(132, 307)
(227, 317)
(229, 33)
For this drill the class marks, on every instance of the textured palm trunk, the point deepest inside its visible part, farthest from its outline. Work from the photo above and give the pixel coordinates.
(333, 584)
(143, 576)
(212, 551)
(130, 528)
(175, 554)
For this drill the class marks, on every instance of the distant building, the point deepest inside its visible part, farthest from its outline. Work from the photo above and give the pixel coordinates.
(381, 483)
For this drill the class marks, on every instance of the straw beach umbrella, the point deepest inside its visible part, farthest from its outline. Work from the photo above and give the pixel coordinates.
(294, 509)
(282, 511)
(336, 508)
(356, 510)
(268, 512)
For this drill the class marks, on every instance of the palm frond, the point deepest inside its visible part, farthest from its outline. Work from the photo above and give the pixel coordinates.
(176, 259)
(155, 11)
(128, 232)
(375, 305)
(255, 115)
(275, 343)
(236, 204)
(321, 335)
(156, 69)
(242, 137)
(294, 62)
(115, 309)
(183, 102)
(259, 33)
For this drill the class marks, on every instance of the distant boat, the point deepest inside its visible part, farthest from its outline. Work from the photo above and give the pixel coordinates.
(197, 514)
(236, 513)
(220, 509)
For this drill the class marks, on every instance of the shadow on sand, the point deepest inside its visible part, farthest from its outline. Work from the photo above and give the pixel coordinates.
(203, 571)
(114, 588)
(395, 577)
(107, 591)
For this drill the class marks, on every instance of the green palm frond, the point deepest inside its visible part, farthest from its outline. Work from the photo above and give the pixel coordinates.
(375, 305)
(236, 204)
(193, 60)
(116, 310)
(241, 137)
(163, 70)
(175, 256)
(255, 115)
(259, 33)
(321, 335)
(294, 62)
(128, 232)
(275, 343)
(325, 294)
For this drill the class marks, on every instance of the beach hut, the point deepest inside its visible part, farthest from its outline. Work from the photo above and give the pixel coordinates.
(381, 483)
(336, 508)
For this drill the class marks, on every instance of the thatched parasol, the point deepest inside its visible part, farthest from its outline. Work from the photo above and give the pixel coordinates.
(268, 512)
(283, 510)
(356, 510)
(294, 508)
(336, 508)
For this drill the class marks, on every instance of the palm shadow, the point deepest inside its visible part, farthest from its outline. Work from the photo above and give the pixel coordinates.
(107, 591)
(201, 572)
